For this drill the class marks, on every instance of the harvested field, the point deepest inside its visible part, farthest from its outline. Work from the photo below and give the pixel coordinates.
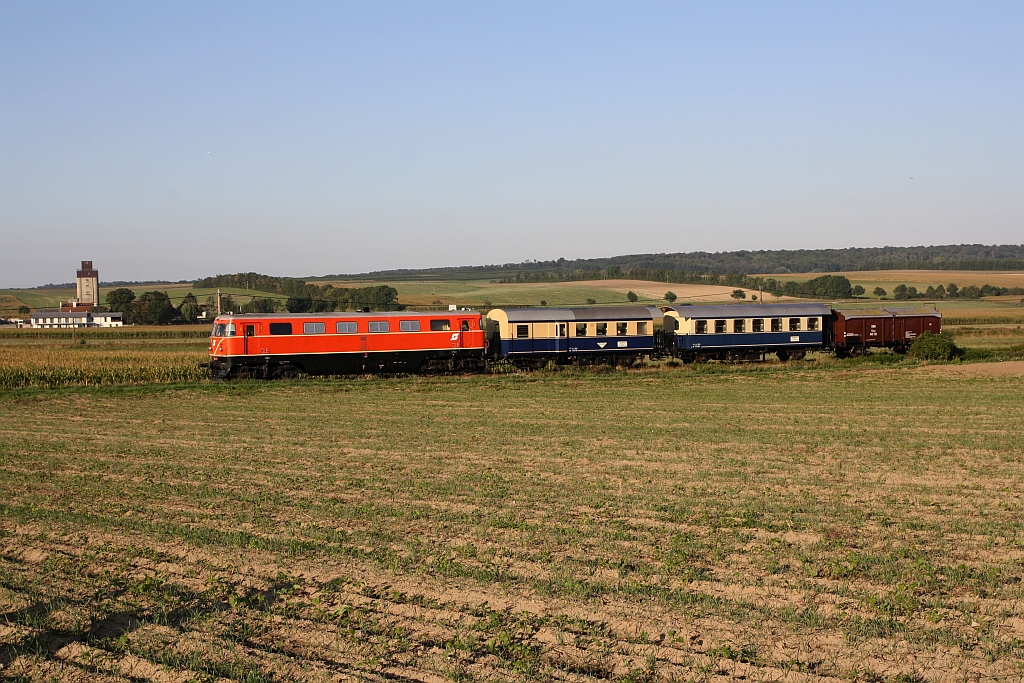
(803, 524)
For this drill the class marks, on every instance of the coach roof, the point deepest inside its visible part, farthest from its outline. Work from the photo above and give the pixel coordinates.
(523, 315)
(750, 311)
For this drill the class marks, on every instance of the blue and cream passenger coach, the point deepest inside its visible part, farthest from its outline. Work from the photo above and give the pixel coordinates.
(746, 331)
(599, 334)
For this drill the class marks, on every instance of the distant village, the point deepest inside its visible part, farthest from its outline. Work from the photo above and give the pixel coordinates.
(86, 310)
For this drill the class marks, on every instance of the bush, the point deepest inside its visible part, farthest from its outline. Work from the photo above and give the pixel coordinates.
(670, 297)
(935, 347)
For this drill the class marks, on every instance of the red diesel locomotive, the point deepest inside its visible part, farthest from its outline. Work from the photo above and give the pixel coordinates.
(284, 344)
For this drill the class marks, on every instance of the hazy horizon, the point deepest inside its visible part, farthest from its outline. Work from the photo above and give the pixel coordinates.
(175, 141)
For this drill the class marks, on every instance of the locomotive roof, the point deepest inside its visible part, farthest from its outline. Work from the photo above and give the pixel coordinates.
(349, 314)
(749, 310)
(580, 314)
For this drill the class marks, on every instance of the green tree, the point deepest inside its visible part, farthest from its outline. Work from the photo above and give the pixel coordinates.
(155, 308)
(857, 290)
(738, 294)
(259, 304)
(614, 272)
(631, 295)
(901, 292)
(543, 302)
(879, 292)
(189, 311)
(670, 297)
(952, 291)
(24, 310)
(119, 300)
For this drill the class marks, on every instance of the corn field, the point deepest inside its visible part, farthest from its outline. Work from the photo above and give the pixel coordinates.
(23, 367)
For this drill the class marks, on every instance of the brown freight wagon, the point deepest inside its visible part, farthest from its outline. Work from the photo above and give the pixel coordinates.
(856, 330)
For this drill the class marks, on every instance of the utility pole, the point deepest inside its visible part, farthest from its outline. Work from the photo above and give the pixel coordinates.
(760, 289)
(218, 301)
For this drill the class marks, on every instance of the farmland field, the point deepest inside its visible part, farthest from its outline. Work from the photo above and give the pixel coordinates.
(824, 521)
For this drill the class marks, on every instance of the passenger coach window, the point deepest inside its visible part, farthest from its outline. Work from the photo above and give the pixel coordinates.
(702, 327)
(719, 327)
(581, 329)
(739, 325)
(794, 324)
(280, 328)
(440, 325)
(346, 328)
(522, 331)
(641, 328)
(313, 328)
(559, 329)
(379, 326)
(776, 324)
(602, 330)
(758, 325)
(812, 323)
(409, 325)
(620, 329)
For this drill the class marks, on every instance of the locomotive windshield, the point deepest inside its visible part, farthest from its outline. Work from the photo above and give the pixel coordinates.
(218, 330)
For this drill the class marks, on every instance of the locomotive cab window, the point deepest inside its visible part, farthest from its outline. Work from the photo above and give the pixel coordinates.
(739, 325)
(218, 330)
(602, 329)
(380, 326)
(464, 327)
(812, 324)
(776, 324)
(230, 330)
(346, 328)
(581, 329)
(719, 327)
(313, 328)
(280, 328)
(522, 331)
(794, 324)
(641, 328)
(409, 325)
(440, 325)
(702, 327)
(250, 330)
(620, 329)
(757, 325)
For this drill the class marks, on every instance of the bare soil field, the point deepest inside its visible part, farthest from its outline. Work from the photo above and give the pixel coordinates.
(716, 523)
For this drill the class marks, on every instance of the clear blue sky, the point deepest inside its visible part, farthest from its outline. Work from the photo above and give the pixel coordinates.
(176, 140)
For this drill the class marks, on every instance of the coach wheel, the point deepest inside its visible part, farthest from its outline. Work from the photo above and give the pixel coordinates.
(783, 355)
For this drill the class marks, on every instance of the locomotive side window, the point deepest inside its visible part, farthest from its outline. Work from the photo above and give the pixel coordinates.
(702, 327)
(230, 330)
(620, 329)
(739, 325)
(602, 330)
(346, 328)
(812, 324)
(522, 331)
(440, 325)
(794, 324)
(719, 327)
(758, 325)
(464, 327)
(250, 330)
(380, 326)
(409, 325)
(581, 329)
(280, 328)
(641, 328)
(313, 328)
(776, 324)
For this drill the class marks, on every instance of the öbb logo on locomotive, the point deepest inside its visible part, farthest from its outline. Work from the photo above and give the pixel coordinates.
(269, 345)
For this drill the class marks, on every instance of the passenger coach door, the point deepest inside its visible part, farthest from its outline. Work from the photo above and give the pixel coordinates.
(561, 337)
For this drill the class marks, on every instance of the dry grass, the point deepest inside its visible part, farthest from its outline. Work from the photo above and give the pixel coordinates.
(857, 524)
(44, 365)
